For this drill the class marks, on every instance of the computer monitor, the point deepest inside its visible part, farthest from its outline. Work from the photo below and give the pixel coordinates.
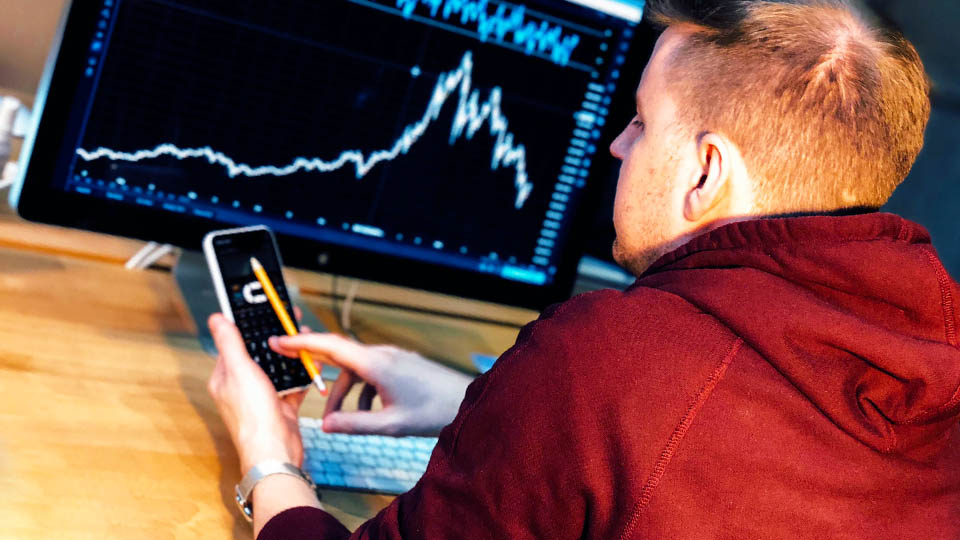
(441, 144)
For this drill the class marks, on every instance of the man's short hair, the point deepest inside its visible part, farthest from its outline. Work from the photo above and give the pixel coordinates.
(827, 108)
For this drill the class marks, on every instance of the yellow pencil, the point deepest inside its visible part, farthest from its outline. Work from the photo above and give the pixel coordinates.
(285, 320)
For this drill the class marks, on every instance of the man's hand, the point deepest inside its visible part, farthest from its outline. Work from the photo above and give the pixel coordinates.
(262, 424)
(419, 396)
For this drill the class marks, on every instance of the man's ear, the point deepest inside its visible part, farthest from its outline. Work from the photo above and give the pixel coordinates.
(713, 186)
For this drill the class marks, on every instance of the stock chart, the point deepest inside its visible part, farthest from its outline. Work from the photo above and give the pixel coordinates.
(465, 128)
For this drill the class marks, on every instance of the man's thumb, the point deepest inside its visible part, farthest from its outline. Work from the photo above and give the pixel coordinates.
(361, 423)
(227, 337)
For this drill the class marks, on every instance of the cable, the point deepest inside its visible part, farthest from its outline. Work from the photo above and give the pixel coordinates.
(9, 110)
(133, 263)
(10, 171)
(342, 311)
(159, 252)
(148, 254)
(348, 306)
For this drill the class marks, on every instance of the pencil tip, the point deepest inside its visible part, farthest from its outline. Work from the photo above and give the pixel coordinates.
(254, 262)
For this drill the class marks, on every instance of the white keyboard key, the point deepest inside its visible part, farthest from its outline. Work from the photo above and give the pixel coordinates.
(364, 462)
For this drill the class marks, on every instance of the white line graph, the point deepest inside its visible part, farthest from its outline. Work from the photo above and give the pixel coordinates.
(469, 118)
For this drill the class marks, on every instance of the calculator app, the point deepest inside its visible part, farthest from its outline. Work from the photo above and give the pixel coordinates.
(252, 311)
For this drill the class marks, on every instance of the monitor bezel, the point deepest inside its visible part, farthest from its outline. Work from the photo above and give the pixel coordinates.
(35, 198)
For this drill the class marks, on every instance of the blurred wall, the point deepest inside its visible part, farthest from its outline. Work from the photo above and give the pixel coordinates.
(27, 28)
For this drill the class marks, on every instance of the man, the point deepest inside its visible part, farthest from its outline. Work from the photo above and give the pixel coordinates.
(767, 377)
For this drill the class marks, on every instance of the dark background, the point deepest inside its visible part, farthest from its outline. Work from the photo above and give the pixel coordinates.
(931, 193)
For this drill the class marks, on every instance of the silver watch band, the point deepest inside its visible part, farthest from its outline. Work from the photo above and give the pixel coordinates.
(260, 471)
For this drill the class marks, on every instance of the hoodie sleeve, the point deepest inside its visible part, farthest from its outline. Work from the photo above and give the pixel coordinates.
(568, 431)
(502, 469)
(302, 522)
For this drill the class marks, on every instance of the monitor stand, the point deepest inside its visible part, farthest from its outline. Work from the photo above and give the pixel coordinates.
(196, 288)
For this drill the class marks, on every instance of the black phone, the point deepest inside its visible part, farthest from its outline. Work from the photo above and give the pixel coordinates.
(243, 301)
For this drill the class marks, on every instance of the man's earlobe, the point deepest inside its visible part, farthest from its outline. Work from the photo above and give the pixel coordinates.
(711, 189)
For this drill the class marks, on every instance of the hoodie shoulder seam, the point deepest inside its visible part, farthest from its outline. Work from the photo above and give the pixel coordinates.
(673, 442)
(950, 329)
(946, 298)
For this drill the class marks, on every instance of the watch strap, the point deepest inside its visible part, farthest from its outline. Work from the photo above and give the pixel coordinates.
(260, 471)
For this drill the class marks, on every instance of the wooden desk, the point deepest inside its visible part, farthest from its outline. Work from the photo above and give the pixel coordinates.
(106, 427)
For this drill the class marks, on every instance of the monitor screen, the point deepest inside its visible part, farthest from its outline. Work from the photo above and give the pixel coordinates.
(457, 135)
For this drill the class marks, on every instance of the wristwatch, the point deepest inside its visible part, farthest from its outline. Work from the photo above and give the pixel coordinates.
(260, 471)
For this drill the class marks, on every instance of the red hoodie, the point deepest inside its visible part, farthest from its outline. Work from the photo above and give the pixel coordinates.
(776, 378)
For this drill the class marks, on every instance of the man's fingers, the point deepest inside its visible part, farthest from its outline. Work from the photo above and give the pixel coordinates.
(274, 343)
(380, 422)
(341, 387)
(227, 337)
(298, 313)
(338, 350)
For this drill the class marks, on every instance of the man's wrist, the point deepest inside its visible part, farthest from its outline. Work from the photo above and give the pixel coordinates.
(277, 493)
(286, 484)
(262, 472)
(254, 454)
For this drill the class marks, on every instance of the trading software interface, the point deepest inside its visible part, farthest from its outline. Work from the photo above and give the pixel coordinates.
(455, 132)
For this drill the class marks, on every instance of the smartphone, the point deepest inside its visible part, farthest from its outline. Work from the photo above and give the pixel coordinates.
(243, 301)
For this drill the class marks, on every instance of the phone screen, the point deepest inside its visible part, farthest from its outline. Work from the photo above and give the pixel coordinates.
(251, 310)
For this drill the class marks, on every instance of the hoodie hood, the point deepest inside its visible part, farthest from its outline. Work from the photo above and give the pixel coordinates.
(857, 312)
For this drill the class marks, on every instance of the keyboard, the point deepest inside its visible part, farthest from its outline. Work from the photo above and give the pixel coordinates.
(369, 463)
